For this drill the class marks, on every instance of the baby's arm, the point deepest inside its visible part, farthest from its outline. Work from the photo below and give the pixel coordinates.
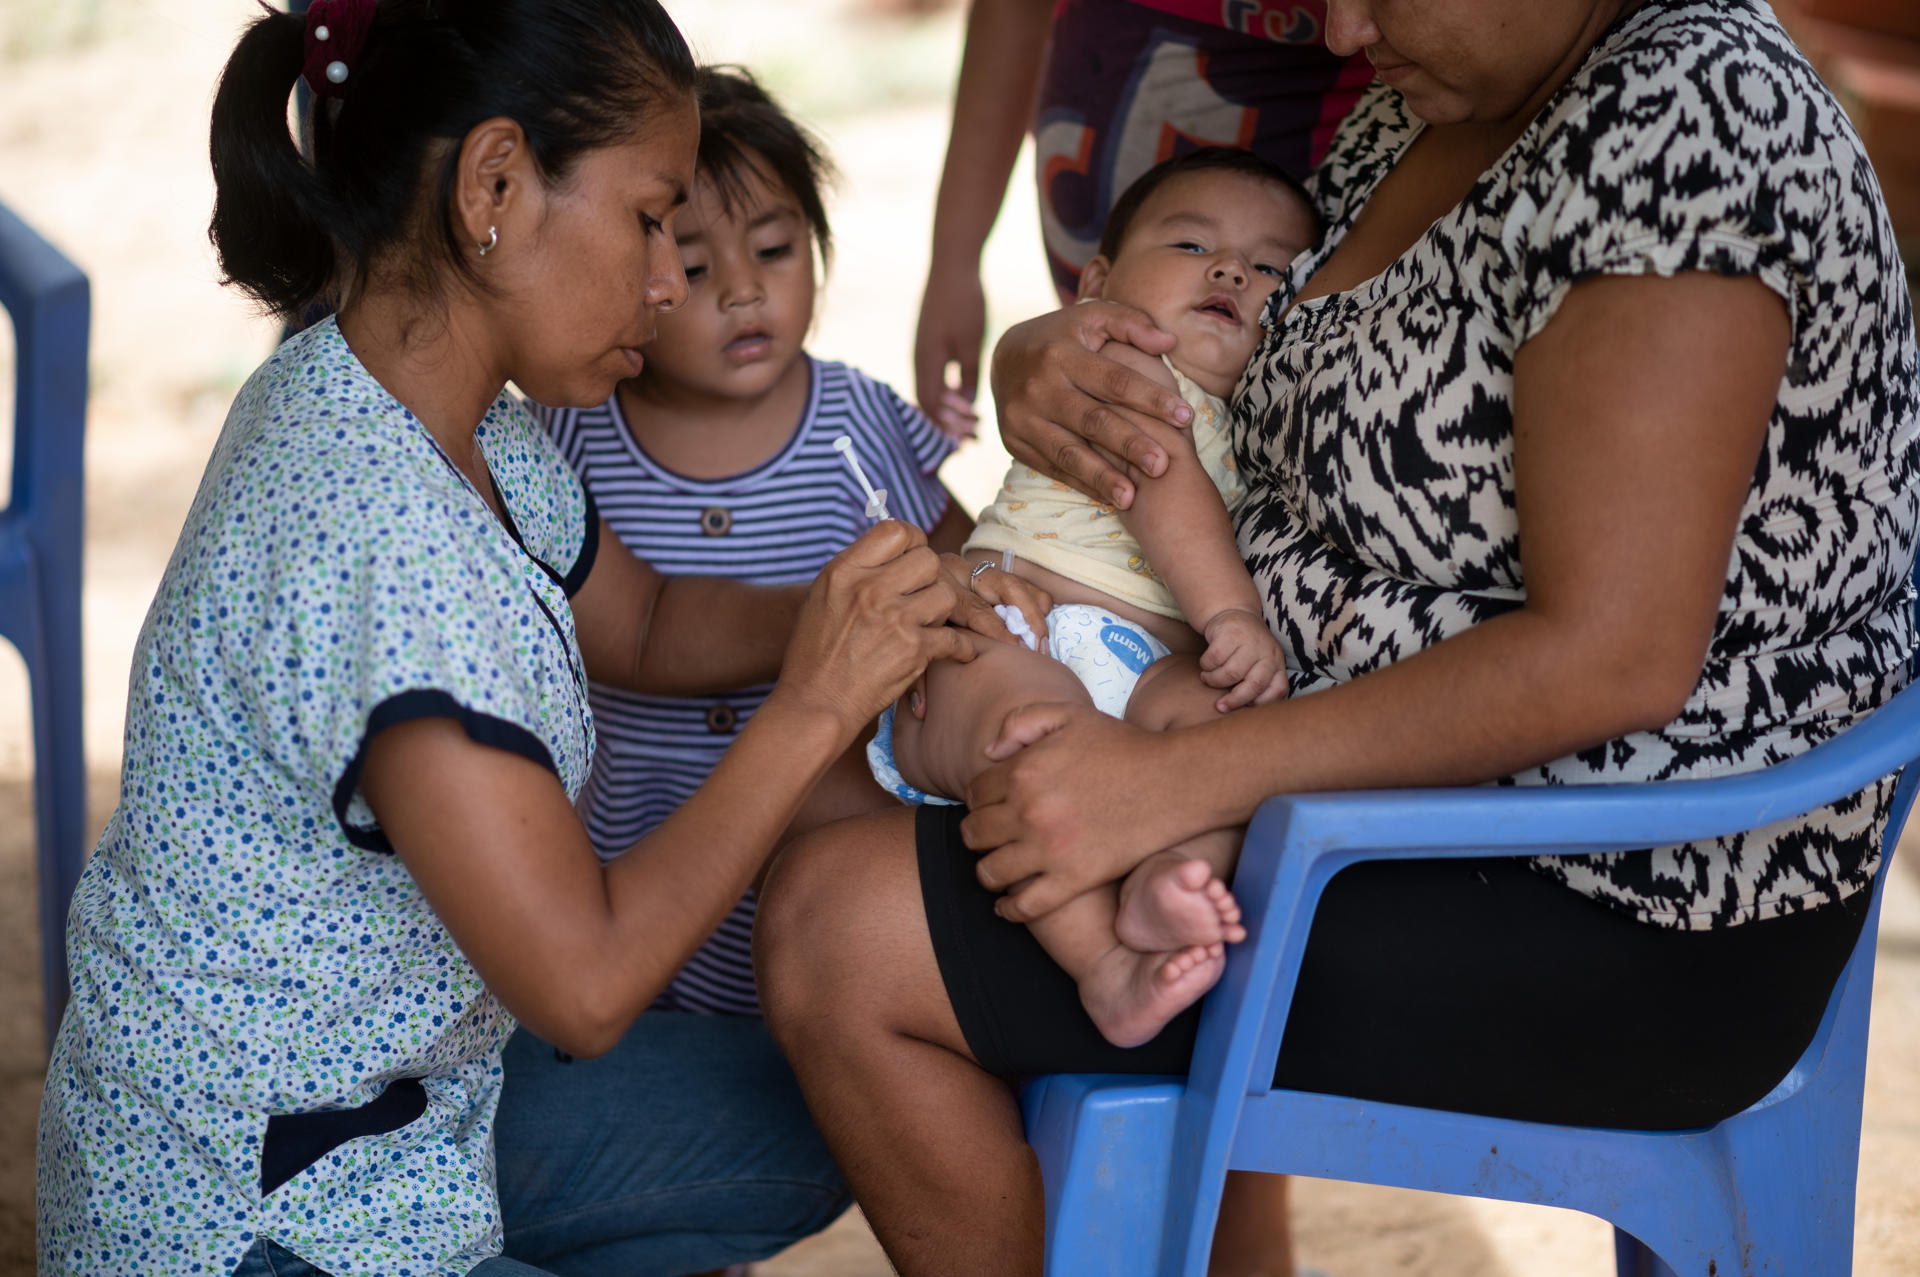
(1185, 532)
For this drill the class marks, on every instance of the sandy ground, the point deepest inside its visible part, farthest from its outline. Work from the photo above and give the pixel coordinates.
(103, 108)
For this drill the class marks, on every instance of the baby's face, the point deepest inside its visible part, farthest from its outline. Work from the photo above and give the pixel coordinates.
(1202, 256)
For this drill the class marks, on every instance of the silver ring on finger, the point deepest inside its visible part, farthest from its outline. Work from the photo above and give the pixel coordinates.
(973, 577)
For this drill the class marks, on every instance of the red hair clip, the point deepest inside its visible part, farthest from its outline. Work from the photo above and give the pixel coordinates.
(336, 35)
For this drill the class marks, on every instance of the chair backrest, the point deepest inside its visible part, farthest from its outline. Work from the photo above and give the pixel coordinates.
(1854, 990)
(47, 297)
(1855, 985)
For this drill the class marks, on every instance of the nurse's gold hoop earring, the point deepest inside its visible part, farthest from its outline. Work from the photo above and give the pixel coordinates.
(493, 241)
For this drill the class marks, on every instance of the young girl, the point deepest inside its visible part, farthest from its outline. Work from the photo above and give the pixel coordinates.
(1157, 620)
(718, 460)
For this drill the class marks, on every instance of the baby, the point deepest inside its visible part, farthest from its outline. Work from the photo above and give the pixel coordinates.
(1155, 619)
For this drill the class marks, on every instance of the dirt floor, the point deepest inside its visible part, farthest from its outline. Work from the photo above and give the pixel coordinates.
(103, 107)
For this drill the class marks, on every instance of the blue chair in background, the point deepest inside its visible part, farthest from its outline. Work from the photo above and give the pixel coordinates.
(1134, 1167)
(40, 541)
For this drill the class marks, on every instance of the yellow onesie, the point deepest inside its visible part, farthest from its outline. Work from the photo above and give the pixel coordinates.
(1064, 531)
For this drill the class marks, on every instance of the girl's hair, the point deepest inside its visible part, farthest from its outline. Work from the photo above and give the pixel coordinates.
(574, 74)
(743, 130)
(1231, 159)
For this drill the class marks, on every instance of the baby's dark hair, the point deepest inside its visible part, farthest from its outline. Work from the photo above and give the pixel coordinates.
(1231, 159)
(574, 74)
(743, 129)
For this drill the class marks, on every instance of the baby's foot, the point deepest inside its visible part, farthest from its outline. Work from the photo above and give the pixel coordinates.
(1131, 996)
(1170, 904)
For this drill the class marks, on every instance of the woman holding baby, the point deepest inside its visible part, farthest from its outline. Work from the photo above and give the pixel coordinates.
(1582, 449)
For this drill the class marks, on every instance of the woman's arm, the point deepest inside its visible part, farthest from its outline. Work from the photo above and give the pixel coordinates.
(576, 950)
(678, 635)
(1639, 413)
(999, 75)
(697, 635)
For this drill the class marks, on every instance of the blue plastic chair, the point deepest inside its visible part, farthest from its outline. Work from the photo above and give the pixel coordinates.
(1134, 1166)
(40, 541)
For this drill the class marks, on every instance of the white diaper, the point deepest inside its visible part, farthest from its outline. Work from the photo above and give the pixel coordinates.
(1108, 655)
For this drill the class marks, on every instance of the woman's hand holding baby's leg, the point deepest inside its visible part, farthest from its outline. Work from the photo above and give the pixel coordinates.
(940, 736)
(1146, 953)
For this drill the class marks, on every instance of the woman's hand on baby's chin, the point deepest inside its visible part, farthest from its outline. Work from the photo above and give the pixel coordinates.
(874, 618)
(1061, 402)
(1074, 801)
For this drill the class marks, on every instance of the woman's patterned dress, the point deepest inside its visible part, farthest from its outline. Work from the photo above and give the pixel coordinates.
(1375, 426)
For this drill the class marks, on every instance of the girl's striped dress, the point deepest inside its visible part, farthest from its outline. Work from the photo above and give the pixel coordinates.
(774, 524)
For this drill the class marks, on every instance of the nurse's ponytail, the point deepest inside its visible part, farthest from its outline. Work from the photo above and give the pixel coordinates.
(271, 210)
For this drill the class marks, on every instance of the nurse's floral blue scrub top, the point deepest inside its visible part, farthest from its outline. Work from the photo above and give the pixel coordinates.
(271, 1032)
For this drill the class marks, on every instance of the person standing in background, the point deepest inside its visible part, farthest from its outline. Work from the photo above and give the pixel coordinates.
(1109, 88)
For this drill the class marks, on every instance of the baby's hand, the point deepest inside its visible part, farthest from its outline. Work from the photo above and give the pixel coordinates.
(1243, 655)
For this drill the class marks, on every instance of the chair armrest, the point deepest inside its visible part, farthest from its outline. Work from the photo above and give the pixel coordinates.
(1576, 819)
(1297, 843)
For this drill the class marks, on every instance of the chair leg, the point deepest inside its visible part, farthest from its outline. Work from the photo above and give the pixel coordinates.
(1796, 1201)
(1777, 1197)
(60, 805)
(1104, 1156)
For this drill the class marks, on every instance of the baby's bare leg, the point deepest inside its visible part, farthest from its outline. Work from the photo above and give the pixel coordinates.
(1128, 994)
(942, 745)
(1179, 896)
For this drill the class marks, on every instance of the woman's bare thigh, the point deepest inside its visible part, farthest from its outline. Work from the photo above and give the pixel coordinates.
(841, 945)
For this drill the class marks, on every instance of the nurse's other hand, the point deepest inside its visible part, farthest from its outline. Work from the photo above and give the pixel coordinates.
(874, 618)
(980, 592)
(1063, 404)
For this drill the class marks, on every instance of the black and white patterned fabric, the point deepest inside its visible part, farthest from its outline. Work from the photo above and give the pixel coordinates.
(1375, 426)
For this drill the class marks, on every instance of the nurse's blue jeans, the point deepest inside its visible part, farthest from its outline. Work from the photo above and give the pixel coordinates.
(685, 1148)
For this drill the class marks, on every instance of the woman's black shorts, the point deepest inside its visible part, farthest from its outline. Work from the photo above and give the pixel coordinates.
(1478, 986)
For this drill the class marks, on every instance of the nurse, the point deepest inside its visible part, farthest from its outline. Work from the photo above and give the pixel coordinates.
(345, 860)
